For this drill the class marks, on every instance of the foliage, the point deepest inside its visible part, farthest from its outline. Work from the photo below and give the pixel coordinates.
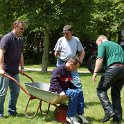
(107, 17)
(89, 18)
(10, 10)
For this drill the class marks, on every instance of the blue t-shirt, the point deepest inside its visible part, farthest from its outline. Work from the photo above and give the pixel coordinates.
(13, 47)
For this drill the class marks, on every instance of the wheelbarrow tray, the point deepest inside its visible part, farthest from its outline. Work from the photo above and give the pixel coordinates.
(41, 91)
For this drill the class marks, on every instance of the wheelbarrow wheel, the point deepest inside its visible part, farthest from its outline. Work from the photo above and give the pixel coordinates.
(60, 113)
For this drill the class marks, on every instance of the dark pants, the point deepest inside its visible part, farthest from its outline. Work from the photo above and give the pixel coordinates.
(114, 78)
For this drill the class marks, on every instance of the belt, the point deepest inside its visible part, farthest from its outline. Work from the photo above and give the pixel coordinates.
(117, 65)
(62, 60)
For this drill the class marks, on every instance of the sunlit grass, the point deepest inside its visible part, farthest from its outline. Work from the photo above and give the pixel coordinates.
(93, 110)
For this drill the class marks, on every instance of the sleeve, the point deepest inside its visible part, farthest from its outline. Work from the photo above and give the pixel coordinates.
(79, 45)
(55, 82)
(58, 44)
(4, 43)
(101, 51)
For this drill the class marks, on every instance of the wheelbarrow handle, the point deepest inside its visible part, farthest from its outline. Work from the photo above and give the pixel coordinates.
(28, 77)
(5, 75)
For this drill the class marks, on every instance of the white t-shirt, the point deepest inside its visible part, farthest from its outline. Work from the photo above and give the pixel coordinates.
(68, 48)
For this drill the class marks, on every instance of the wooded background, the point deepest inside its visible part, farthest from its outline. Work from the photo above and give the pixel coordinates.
(45, 19)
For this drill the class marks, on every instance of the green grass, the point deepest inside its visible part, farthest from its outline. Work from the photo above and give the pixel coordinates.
(93, 111)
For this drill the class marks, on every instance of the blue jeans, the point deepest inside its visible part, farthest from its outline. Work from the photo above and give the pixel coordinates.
(75, 103)
(14, 93)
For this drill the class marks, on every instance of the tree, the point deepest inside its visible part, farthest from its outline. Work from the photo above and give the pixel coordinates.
(107, 16)
(53, 14)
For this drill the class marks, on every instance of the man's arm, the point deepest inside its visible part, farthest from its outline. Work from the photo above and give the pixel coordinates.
(55, 82)
(22, 63)
(98, 65)
(2, 51)
(57, 47)
(81, 55)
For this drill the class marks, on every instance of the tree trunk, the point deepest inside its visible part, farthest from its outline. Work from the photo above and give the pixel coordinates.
(45, 49)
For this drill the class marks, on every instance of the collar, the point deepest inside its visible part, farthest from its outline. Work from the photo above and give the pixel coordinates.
(13, 34)
(104, 40)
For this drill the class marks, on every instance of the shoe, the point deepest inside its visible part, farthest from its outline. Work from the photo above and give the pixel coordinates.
(14, 114)
(1, 116)
(107, 117)
(117, 120)
(83, 120)
(72, 120)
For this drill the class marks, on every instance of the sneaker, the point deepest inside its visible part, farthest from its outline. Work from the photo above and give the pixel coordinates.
(1, 116)
(14, 114)
(84, 121)
(72, 120)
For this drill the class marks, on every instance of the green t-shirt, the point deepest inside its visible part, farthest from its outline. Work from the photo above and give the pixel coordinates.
(111, 52)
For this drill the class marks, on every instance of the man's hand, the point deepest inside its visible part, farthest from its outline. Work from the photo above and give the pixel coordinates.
(2, 72)
(62, 94)
(56, 53)
(94, 76)
(21, 71)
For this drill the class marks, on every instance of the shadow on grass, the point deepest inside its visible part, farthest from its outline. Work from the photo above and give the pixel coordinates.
(38, 72)
(39, 114)
(19, 115)
(88, 104)
(93, 119)
(51, 118)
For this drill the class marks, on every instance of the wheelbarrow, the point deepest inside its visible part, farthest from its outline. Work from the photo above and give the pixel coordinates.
(36, 90)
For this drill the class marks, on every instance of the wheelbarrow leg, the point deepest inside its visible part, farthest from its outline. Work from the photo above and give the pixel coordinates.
(40, 104)
(29, 116)
(48, 108)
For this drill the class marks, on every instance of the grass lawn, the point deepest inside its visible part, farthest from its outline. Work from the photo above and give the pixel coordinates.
(93, 110)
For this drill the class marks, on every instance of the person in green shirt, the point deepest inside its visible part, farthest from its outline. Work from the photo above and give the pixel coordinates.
(110, 55)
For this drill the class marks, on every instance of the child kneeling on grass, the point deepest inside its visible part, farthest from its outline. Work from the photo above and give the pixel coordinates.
(61, 82)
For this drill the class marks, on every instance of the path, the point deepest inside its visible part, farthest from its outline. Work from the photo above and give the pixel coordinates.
(39, 69)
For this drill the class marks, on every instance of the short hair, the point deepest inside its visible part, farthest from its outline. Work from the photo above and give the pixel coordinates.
(67, 28)
(75, 60)
(16, 23)
(103, 37)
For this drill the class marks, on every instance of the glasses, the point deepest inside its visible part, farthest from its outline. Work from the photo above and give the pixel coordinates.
(65, 31)
(20, 28)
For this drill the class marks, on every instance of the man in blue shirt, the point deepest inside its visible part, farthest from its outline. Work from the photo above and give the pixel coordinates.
(11, 56)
